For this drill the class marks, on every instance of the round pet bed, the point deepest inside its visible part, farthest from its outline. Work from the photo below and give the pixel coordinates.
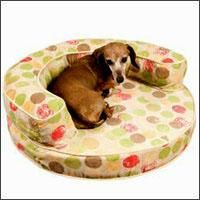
(152, 123)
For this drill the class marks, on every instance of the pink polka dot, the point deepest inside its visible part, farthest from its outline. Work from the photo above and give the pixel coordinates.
(9, 122)
(149, 167)
(178, 109)
(44, 111)
(124, 96)
(72, 42)
(162, 51)
(129, 127)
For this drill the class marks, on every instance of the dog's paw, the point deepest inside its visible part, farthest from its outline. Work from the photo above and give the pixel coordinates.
(105, 93)
(108, 111)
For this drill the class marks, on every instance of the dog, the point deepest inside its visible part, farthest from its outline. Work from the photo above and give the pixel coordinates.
(86, 82)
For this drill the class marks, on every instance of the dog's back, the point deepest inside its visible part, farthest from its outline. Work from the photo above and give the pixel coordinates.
(76, 85)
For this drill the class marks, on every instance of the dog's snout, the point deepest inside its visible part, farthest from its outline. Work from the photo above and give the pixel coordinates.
(118, 72)
(120, 79)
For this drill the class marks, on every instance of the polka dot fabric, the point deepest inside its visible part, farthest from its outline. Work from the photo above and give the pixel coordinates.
(152, 123)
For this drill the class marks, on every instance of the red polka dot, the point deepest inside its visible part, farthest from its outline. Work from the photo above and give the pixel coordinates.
(167, 60)
(178, 109)
(58, 133)
(26, 59)
(13, 107)
(131, 161)
(20, 146)
(148, 65)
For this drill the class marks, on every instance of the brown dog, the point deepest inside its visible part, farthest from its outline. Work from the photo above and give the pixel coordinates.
(87, 81)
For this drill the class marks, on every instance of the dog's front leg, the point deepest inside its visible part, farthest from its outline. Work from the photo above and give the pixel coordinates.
(105, 86)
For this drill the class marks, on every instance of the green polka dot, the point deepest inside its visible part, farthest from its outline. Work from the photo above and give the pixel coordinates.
(184, 72)
(55, 104)
(144, 88)
(54, 72)
(31, 146)
(59, 54)
(176, 66)
(134, 173)
(11, 79)
(31, 150)
(142, 100)
(97, 41)
(77, 148)
(20, 98)
(80, 133)
(55, 119)
(153, 107)
(12, 116)
(177, 146)
(126, 143)
(139, 112)
(178, 57)
(46, 59)
(160, 82)
(189, 105)
(21, 84)
(26, 66)
(173, 99)
(22, 137)
(21, 123)
(186, 93)
(162, 128)
(112, 158)
(164, 153)
(72, 162)
(47, 78)
(166, 114)
(72, 50)
(28, 75)
(116, 133)
(131, 173)
(38, 54)
(8, 74)
(186, 140)
(156, 142)
(125, 117)
(143, 53)
(147, 76)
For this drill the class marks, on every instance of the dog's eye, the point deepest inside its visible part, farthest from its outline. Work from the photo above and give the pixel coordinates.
(109, 62)
(124, 59)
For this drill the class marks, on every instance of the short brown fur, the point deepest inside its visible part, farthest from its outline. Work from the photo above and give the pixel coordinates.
(81, 85)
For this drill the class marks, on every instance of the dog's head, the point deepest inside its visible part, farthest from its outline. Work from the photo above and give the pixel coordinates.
(114, 58)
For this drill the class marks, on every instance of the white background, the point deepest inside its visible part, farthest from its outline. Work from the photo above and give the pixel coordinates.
(30, 26)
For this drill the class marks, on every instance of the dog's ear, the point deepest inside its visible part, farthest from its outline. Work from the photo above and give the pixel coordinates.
(98, 55)
(100, 61)
(132, 55)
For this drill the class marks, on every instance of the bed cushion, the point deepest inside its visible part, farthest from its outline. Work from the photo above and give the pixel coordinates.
(152, 123)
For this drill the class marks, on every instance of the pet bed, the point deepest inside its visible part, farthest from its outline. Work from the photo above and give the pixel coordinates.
(152, 123)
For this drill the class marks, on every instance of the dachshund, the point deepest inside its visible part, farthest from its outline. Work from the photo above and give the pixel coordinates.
(86, 82)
